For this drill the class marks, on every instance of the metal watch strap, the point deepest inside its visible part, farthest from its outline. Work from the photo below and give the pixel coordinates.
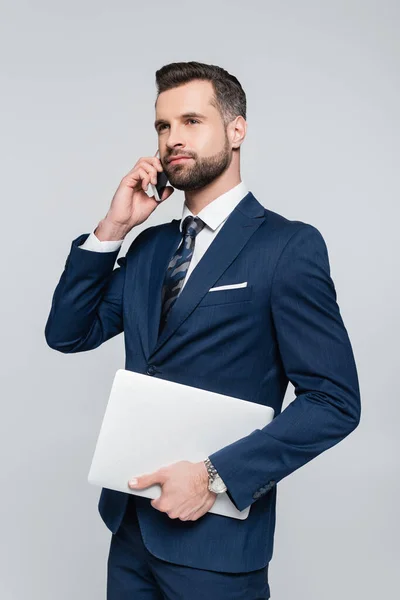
(212, 471)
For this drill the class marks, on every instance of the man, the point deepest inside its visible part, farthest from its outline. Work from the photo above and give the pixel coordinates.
(272, 318)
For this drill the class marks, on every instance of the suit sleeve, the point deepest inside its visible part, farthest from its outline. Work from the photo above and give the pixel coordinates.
(86, 308)
(317, 357)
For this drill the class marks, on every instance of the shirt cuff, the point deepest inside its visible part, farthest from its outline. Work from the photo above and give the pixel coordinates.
(95, 245)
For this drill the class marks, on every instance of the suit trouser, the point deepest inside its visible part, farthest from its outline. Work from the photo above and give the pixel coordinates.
(133, 573)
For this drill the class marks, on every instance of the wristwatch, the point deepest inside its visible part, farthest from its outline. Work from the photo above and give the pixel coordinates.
(215, 482)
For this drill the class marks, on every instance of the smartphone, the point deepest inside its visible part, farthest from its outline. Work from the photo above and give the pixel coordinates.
(157, 190)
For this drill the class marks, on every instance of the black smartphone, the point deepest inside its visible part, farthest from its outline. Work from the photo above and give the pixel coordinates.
(157, 190)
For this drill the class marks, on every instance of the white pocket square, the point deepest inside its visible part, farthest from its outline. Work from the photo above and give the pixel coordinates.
(231, 286)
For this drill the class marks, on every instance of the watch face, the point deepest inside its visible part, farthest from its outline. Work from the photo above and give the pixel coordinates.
(218, 486)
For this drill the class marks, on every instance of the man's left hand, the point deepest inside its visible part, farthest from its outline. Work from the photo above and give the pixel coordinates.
(185, 494)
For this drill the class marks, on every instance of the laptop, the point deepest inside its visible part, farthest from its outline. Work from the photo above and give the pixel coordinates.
(151, 422)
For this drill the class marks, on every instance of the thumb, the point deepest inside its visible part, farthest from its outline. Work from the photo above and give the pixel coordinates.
(167, 193)
(144, 481)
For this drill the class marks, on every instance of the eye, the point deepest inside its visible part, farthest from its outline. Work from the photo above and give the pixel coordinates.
(160, 127)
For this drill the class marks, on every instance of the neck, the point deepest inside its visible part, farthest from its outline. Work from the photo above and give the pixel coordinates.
(196, 200)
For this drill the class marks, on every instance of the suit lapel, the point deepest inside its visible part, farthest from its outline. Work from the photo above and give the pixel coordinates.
(243, 221)
(151, 275)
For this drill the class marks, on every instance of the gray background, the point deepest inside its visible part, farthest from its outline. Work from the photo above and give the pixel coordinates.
(77, 95)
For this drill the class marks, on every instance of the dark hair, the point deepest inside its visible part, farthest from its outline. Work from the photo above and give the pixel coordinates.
(228, 98)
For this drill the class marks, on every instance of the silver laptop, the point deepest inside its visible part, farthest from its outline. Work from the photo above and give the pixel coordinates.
(151, 422)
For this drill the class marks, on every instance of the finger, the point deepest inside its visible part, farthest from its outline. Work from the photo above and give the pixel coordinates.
(202, 510)
(143, 178)
(157, 156)
(148, 167)
(151, 172)
(159, 503)
(144, 481)
(188, 514)
(146, 177)
(146, 162)
(183, 509)
(156, 161)
(197, 514)
(136, 177)
(151, 162)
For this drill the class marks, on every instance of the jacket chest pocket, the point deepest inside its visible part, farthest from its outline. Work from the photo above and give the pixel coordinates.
(243, 294)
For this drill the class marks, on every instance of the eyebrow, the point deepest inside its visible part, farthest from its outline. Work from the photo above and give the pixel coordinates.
(184, 116)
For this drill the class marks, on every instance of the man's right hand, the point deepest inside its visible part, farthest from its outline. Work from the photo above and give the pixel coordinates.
(131, 205)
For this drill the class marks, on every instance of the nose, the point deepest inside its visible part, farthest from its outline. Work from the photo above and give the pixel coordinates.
(175, 139)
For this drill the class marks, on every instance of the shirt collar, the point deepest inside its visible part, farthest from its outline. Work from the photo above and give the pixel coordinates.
(219, 209)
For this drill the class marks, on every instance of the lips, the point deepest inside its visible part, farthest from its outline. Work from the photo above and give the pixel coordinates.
(179, 158)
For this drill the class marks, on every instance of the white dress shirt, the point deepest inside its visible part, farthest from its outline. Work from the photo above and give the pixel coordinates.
(214, 216)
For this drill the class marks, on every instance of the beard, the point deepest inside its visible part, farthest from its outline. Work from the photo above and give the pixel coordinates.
(201, 172)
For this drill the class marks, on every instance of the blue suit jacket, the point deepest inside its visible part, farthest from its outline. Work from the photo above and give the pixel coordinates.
(247, 342)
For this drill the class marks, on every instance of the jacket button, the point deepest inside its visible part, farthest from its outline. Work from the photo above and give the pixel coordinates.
(151, 370)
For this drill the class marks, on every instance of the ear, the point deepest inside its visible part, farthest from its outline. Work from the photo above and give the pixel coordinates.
(237, 130)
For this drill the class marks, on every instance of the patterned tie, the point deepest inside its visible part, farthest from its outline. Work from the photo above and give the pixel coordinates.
(178, 265)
